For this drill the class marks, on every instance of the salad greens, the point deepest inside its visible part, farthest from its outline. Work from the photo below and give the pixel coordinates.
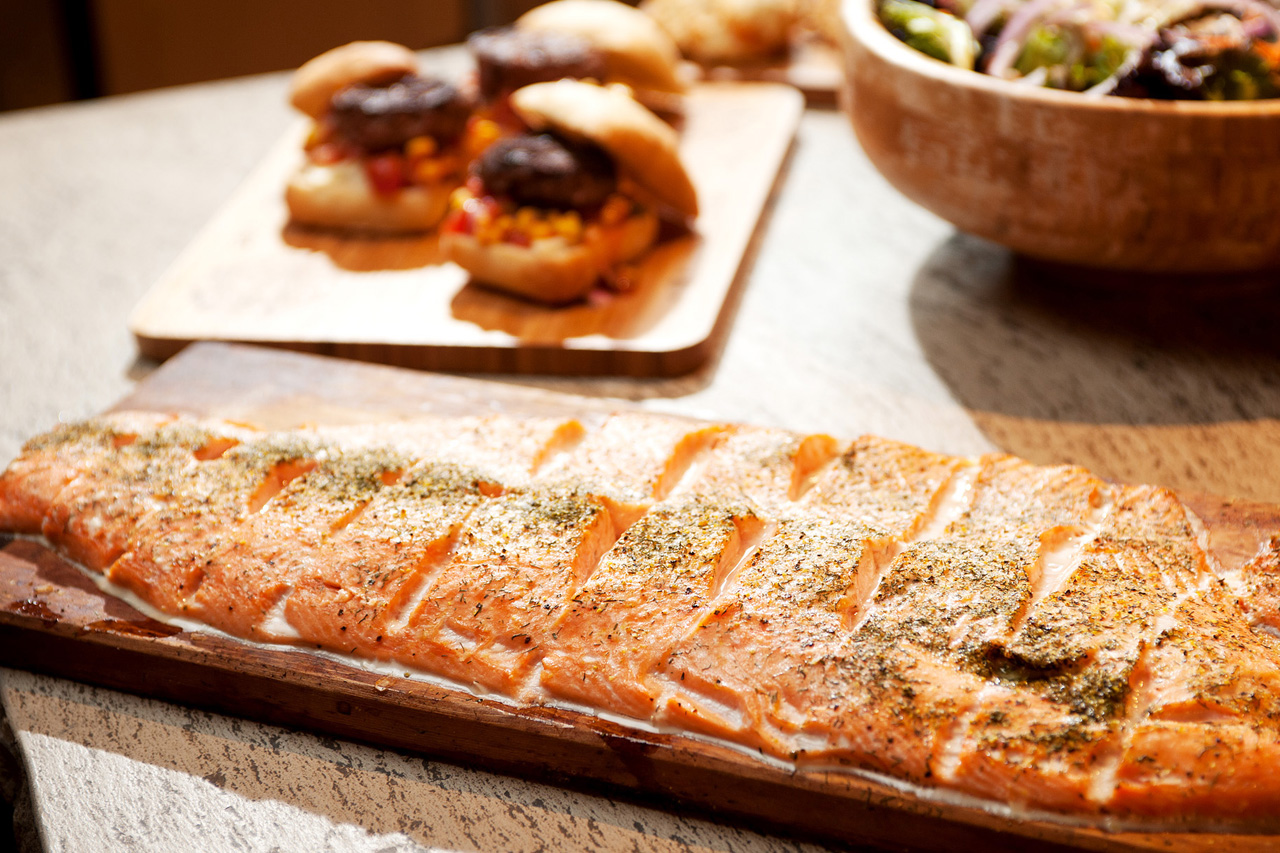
(1185, 49)
(931, 31)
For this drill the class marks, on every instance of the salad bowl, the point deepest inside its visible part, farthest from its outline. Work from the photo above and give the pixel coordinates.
(1118, 183)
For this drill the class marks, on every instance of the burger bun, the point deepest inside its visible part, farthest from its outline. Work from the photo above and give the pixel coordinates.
(372, 62)
(550, 270)
(339, 196)
(636, 50)
(727, 31)
(643, 146)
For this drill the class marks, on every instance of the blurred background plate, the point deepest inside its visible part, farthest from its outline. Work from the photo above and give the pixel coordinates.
(250, 276)
(812, 65)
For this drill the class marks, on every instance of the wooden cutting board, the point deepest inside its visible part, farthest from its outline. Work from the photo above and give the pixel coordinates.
(53, 619)
(251, 276)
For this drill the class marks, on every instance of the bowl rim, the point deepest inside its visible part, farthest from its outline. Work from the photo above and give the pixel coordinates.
(863, 26)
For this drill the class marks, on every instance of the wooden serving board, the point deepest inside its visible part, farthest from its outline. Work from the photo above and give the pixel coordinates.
(252, 276)
(53, 619)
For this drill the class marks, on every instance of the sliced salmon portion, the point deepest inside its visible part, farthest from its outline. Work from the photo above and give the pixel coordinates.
(287, 525)
(1014, 499)
(936, 609)
(30, 486)
(736, 673)
(951, 597)
(1120, 585)
(1052, 733)
(1207, 722)
(94, 516)
(1026, 747)
(1040, 516)
(884, 484)
(766, 468)
(646, 592)
(1078, 657)
(777, 665)
(513, 448)
(516, 563)
(371, 528)
(1022, 634)
(632, 459)
(354, 587)
(194, 527)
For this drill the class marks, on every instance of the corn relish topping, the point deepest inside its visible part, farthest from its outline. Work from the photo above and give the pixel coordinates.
(421, 161)
(491, 220)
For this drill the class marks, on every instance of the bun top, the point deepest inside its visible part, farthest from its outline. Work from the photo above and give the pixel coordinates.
(636, 50)
(712, 31)
(371, 62)
(641, 144)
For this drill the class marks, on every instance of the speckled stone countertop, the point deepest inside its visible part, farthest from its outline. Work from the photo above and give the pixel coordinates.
(860, 313)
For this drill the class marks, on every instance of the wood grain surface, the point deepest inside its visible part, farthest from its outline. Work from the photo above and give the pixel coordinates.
(53, 619)
(252, 276)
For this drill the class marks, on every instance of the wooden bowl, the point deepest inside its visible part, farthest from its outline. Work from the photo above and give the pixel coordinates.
(1116, 183)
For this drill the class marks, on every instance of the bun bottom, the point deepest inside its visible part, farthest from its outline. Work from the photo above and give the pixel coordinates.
(340, 196)
(549, 270)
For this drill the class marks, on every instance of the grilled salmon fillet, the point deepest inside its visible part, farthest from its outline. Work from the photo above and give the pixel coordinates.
(1028, 635)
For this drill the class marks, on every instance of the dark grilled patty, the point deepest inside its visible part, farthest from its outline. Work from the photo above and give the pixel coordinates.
(508, 58)
(544, 170)
(382, 117)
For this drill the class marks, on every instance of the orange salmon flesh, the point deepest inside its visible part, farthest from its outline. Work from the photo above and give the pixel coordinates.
(1026, 635)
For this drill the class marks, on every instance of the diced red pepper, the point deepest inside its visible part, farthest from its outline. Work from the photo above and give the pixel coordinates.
(386, 172)
(517, 238)
(459, 222)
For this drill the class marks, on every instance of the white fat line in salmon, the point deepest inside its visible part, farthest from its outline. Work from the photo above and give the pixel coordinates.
(687, 457)
(750, 534)
(275, 626)
(946, 506)
(706, 704)
(1210, 566)
(812, 457)
(945, 761)
(1061, 551)
(1144, 693)
(422, 581)
(563, 442)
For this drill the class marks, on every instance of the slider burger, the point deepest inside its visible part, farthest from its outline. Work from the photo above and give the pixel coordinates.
(548, 213)
(635, 49)
(603, 41)
(508, 58)
(388, 145)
